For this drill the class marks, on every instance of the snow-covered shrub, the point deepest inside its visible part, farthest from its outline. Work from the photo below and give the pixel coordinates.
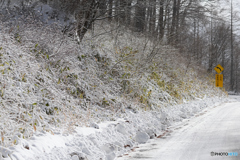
(49, 82)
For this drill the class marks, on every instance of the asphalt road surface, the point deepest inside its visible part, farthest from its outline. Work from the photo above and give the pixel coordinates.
(209, 135)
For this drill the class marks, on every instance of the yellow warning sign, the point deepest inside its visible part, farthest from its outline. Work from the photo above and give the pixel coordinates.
(219, 80)
(218, 68)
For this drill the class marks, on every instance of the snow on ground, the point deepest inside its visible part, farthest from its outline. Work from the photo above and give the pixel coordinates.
(211, 134)
(107, 140)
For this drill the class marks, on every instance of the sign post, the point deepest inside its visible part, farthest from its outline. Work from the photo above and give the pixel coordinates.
(219, 77)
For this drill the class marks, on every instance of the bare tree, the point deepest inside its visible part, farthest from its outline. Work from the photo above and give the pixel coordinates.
(231, 75)
(161, 22)
(140, 14)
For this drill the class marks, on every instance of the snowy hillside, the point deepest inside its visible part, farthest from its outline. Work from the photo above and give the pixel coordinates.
(96, 100)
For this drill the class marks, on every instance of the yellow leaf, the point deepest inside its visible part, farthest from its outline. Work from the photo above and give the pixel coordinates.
(23, 76)
(34, 127)
(81, 96)
(2, 137)
(51, 132)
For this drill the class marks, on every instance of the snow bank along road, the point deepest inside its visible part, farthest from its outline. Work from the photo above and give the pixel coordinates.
(212, 134)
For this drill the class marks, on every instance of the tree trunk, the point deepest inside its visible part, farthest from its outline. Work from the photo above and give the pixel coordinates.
(102, 7)
(173, 26)
(122, 7)
(177, 21)
(128, 12)
(110, 6)
(85, 17)
(140, 16)
(152, 20)
(160, 21)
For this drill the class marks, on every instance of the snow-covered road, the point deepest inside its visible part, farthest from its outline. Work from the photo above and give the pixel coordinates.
(211, 132)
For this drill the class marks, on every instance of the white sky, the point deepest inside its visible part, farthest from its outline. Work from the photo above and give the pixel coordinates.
(223, 9)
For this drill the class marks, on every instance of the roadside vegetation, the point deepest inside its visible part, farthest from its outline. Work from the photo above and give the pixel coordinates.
(51, 83)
